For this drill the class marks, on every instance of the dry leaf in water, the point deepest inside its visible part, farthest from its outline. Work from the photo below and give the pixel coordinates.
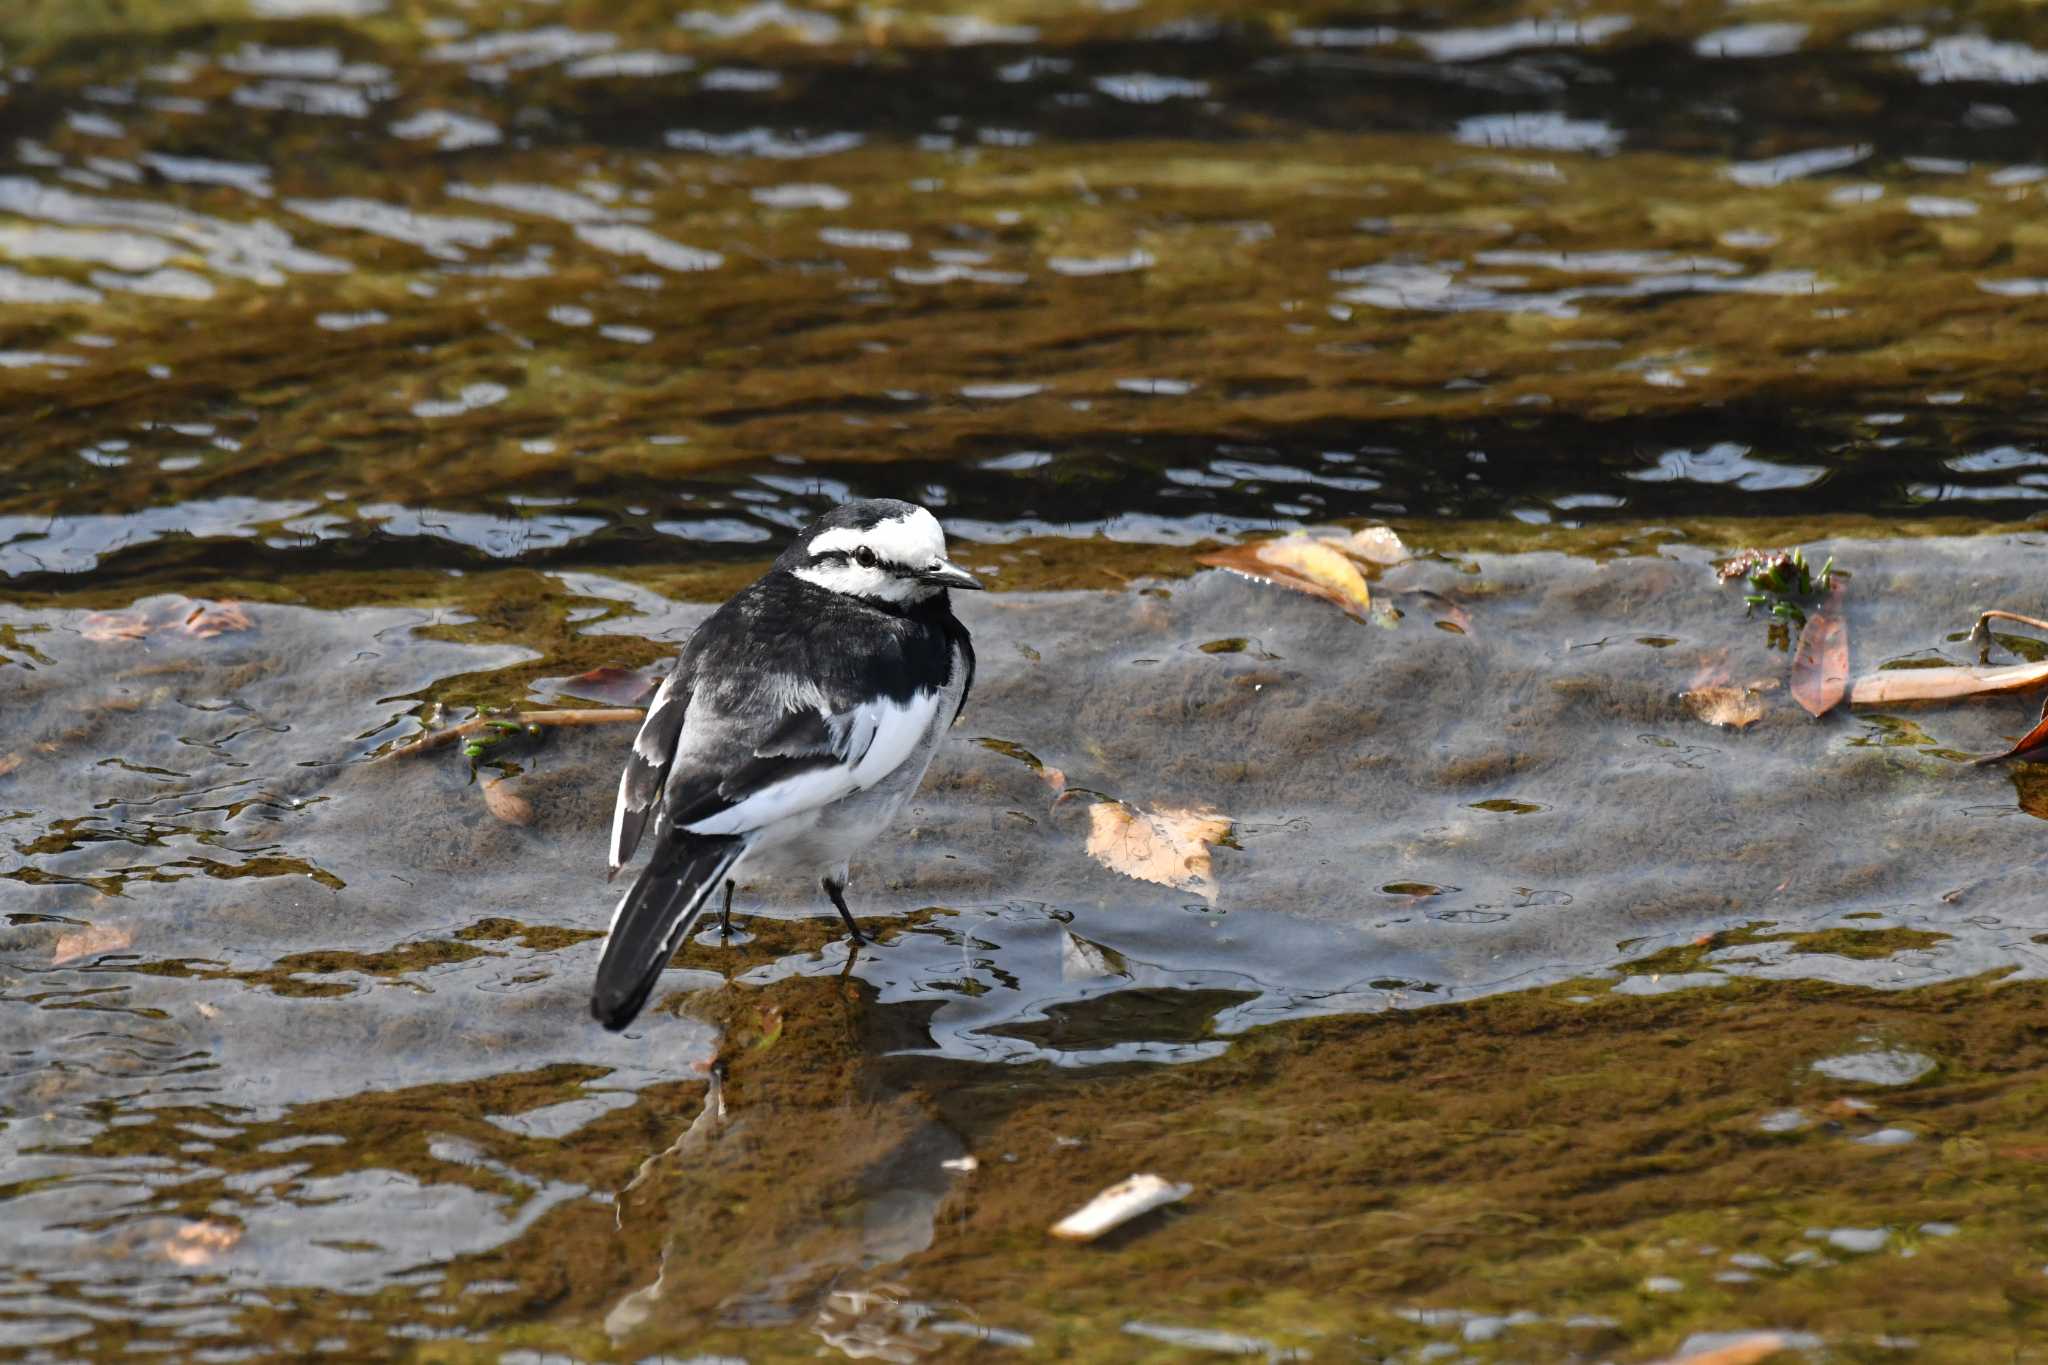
(2023, 747)
(208, 619)
(197, 1244)
(506, 804)
(1820, 667)
(1736, 708)
(1943, 684)
(1304, 564)
(9, 762)
(1377, 544)
(200, 620)
(90, 941)
(104, 626)
(1447, 614)
(1168, 846)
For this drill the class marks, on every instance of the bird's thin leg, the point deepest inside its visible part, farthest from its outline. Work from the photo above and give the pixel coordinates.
(837, 891)
(725, 915)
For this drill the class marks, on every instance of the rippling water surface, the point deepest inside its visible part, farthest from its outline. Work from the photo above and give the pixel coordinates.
(363, 365)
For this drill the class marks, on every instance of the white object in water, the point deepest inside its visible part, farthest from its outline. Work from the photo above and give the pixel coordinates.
(1119, 1204)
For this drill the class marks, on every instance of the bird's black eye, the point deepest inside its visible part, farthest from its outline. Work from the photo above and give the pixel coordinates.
(864, 557)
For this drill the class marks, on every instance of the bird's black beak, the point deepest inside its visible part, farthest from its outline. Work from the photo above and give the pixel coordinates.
(946, 574)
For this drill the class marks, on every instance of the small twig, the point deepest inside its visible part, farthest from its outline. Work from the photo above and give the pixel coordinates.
(1996, 615)
(438, 739)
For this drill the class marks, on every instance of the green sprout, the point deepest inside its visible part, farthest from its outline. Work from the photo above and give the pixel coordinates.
(495, 732)
(1777, 578)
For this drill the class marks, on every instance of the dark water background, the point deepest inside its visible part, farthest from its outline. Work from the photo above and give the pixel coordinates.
(363, 365)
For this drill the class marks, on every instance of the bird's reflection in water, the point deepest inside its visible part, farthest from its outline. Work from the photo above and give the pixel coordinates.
(807, 1170)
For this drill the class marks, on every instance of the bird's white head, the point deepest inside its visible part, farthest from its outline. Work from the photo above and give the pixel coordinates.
(879, 549)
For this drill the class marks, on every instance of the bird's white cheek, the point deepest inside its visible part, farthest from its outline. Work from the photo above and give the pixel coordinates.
(835, 578)
(857, 581)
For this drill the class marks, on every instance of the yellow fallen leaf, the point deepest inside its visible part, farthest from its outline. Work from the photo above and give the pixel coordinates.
(1322, 564)
(1304, 563)
(1168, 846)
(197, 1244)
(1736, 708)
(90, 941)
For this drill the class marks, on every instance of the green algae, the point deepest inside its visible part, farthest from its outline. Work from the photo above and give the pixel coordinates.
(1628, 1149)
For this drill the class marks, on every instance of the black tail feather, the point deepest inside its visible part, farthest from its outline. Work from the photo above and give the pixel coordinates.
(654, 916)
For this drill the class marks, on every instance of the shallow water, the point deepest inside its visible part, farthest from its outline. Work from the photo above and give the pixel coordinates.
(364, 366)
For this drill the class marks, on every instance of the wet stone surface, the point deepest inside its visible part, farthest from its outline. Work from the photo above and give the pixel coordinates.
(269, 972)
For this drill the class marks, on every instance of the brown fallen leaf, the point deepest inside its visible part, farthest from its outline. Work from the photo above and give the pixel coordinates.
(9, 762)
(1735, 708)
(91, 941)
(208, 619)
(200, 1243)
(506, 804)
(199, 619)
(1447, 614)
(1743, 1351)
(1304, 564)
(1820, 666)
(1943, 684)
(1168, 846)
(2024, 746)
(104, 626)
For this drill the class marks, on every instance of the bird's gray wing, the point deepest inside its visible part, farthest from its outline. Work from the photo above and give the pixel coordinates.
(737, 772)
(654, 749)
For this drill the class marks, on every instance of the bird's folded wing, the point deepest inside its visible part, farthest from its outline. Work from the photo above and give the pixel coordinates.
(647, 766)
(731, 777)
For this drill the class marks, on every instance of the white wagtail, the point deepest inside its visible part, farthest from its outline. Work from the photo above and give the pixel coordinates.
(798, 718)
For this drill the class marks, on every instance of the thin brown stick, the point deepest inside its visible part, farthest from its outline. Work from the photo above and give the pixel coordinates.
(1977, 631)
(438, 739)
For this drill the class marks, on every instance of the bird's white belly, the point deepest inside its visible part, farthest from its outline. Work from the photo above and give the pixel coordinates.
(822, 842)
